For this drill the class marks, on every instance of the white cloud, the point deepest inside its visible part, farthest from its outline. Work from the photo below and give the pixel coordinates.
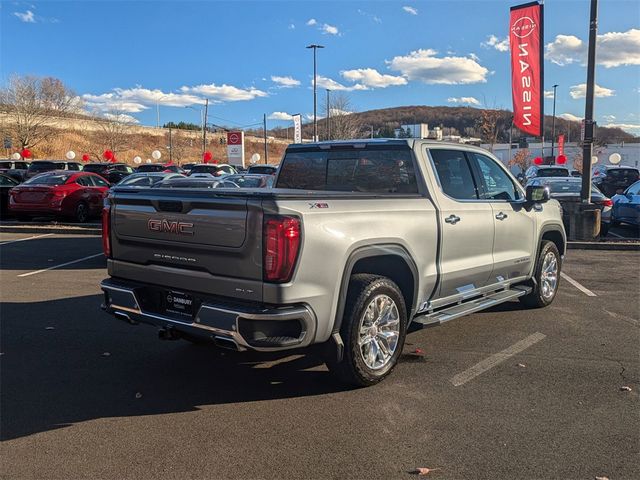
(580, 91)
(330, 84)
(26, 17)
(464, 100)
(111, 101)
(285, 82)
(224, 92)
(312, 21)
(608, 118)
(280, 116)
(614, 49)
(570, 117)
(495, 42)
(630, 127)
(292, 26)
(475, 57)
(423, 65)
(548, 94)
(336, 112)
(330, 29)
(148, 96)
(121, 117)
(370, 77)
(410, 10)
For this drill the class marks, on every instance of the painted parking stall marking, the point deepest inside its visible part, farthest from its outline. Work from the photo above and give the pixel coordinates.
(578, 285)
(60, 265)
(23, 239)
(496, 359)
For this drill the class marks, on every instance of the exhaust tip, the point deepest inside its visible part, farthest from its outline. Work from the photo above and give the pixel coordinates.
(125, 318)
(224, 342)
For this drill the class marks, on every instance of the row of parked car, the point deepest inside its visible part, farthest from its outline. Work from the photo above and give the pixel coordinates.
(615, 190)
(72, 190)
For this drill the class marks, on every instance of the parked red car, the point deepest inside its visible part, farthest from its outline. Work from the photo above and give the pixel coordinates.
(78, 195)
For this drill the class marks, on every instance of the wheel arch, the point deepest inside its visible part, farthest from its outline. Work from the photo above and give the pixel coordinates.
(389, 260)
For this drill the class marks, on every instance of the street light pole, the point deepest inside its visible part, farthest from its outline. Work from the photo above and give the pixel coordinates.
(587, 150)
(315, 81)
(201, 122)
(328, 119)
(553, 125)
(204, 126)
(266, 150)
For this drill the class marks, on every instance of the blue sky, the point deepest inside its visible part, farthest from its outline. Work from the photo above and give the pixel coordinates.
(249, 58)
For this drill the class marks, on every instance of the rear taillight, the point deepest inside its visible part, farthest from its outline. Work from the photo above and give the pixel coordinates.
(607, 202)
(281, 243)
(106, 228)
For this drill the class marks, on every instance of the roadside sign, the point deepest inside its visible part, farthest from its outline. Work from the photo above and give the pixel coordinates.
(7, 143)
(235, 148)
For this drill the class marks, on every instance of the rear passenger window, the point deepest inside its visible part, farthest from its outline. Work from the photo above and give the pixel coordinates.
(84, 181)
(454, 174)
(73, 166)
(496, 184)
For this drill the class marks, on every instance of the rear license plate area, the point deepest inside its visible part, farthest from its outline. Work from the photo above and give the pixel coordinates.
(179, 305)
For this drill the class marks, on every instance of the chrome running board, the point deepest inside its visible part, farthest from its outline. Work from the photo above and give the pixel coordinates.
(471, 306)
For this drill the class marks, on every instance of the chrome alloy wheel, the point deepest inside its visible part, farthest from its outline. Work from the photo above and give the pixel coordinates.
(379, 332)
(549, 276)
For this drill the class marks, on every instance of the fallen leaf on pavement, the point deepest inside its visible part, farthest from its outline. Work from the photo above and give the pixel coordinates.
(625, 388)
(106, 354)
(602, 478)
(425, 471)
(138, 395)
(50, 328)
(522, 365)
(418, 351)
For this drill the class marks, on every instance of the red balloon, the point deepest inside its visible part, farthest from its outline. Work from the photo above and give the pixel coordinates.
(562, 159)
(107, 155)
(25, 153)
(207, 156)
(85, 157)
(538, 160)
(215, 161)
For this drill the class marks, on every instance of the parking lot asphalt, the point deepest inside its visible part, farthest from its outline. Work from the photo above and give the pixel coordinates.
(86, 396)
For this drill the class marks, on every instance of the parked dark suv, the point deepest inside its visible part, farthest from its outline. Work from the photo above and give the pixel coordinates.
(613, 179)
(112, 172)
(41, 166)
(16, 169)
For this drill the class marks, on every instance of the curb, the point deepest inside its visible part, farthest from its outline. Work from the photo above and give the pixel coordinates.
(633, 246)
(60, 228)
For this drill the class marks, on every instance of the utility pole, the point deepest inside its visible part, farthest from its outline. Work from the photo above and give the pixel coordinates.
(204, 126)
(587, 149)
(328, 119)
(266, 150)
(553, 125)
(170, 147)
(158, 114)
(315, 47)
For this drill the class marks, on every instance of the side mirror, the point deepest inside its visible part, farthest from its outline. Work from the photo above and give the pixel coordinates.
(537, 194)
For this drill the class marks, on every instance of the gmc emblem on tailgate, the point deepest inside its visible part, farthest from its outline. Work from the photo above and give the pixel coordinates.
(170, 226)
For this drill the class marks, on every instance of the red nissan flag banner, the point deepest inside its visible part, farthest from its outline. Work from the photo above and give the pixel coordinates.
(560, 144)
(527, 75)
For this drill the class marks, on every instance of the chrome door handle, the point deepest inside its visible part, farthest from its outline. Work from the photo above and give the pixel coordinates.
(501, 216)
(452, 219)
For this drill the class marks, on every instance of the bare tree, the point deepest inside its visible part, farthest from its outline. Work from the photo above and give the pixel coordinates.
(488, 126)
(180, 145)
(521, 159)
(32, 106)
(344, 125)
(114, 128)
(577, 161)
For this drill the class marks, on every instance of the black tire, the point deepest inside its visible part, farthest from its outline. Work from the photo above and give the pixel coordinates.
(536, 299)
(363, 288)
(82, 213)
(604, 229)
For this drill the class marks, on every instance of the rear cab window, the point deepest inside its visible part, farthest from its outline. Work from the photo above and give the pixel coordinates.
(379, 169)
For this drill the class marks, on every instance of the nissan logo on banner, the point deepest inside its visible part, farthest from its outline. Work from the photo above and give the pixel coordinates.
(527, 76)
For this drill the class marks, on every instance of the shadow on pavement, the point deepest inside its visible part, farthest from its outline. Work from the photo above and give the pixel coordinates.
(65, 361)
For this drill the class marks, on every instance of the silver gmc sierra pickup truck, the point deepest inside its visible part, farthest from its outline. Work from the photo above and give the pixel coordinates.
(357, 240)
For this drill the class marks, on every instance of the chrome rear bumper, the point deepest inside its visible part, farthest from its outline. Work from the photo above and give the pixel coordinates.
(246, 327)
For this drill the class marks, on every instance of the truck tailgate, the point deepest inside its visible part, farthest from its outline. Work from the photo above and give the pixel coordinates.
(194, 241)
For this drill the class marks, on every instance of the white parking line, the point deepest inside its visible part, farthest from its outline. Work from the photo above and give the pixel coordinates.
(488, 363)
(576, 284)
(23, 239)
(61, 265)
